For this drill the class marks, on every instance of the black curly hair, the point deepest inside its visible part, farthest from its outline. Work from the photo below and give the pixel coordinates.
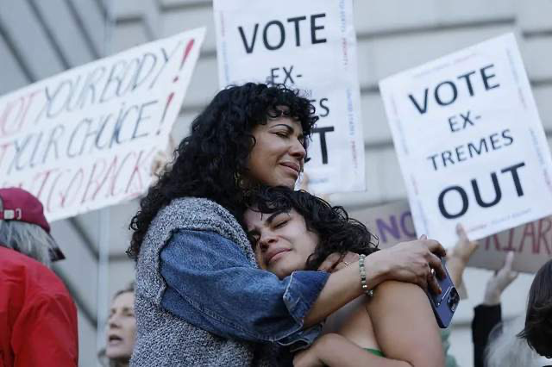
(337, 232)
(538, 322)
(208, 162)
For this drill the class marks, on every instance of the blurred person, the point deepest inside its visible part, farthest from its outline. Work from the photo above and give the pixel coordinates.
(294, 230)
(538, 321)
(506, 349)
(38, 318)
(488, 315)
(200, 297)
(121, 328)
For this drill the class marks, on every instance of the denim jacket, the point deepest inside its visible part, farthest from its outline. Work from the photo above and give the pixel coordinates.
(201, 300)
(218, 290)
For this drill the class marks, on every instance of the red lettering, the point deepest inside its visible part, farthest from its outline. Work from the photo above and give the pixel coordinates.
(542, 235)
(94, 180)
(496, 242)
(142, 162)
(14, 116)
(74, 186)
(528, 231)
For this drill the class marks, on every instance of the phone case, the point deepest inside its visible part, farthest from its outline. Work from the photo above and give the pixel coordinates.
(444, 305)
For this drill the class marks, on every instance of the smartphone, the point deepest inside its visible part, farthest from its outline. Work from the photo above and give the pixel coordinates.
(444, 305)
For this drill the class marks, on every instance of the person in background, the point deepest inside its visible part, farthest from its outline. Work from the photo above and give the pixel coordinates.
(38, 318)
(488, 315)
(538, 321)
(121, 328)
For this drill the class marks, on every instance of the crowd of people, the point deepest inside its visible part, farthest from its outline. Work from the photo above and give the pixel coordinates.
(235, 267)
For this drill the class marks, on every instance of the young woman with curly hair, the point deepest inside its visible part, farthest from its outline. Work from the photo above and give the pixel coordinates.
(294, 230)
(200, 297)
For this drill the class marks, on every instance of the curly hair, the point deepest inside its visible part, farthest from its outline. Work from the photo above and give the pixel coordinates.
(210, 160)
(538, 321)
(337, 232)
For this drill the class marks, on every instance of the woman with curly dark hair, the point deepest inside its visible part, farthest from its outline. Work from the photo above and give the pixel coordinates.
(200, 297)
(294, 230)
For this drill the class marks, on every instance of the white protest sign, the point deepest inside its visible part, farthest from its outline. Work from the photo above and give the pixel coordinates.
(531, 242)
(470, 142)
(309, 45)
(85, 139)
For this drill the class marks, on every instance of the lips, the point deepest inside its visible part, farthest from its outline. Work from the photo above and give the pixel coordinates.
(292, 165)
(269, 256)
(114, 339)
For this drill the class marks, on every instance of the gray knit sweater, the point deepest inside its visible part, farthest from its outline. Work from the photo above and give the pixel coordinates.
(164, 339)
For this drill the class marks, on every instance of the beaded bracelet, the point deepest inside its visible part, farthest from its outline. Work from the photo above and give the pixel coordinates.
(362, 270)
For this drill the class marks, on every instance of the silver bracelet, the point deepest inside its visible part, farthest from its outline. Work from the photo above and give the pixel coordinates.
(362, 270)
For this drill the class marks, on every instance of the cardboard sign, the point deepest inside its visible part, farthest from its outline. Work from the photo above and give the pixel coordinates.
(532, 242)
(308, 45)
(85, 139)
(470, 142)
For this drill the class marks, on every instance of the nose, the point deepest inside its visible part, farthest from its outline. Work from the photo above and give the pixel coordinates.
(297, 150)
(113, 320)
(265, 241)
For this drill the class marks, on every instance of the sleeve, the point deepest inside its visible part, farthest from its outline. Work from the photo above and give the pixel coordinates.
(45, 333)
(211, 284)
(484, 320)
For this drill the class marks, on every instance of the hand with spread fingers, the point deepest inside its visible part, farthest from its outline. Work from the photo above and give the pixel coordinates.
(459, 256)
(500, 281)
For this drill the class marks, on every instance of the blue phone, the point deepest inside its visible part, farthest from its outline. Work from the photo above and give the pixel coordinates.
(444, 305)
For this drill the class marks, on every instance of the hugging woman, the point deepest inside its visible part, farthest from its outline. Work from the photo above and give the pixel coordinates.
(200, 298)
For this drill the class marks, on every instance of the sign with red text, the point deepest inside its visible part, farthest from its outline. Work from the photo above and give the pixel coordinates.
(531, 242)
(85, 139)
(470, 142)
(308, 45)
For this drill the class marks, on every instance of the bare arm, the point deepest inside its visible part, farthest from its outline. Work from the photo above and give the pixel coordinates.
(405, 325)
(407, 262)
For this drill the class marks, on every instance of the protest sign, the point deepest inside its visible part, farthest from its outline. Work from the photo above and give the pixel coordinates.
(85, 139)
(531, 242)
(308, 45)
(470, 142)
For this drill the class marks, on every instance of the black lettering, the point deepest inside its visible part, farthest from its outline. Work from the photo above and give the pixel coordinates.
(421, 110)
(468, 81)
(324, 107)
(249, 48)
(463, 196)
(296, 21)
(496, 186)
(506, 135)
(282, 35)
(315, 28)
(438, 95)
(323, 146)
(513, 169)
(486, 77)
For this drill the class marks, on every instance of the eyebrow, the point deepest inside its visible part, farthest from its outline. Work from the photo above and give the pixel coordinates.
(290, 128)
(267, 221)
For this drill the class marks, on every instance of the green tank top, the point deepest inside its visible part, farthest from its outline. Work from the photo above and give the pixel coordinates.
(376, 352)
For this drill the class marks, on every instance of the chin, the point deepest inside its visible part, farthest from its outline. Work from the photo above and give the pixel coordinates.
(287, 182)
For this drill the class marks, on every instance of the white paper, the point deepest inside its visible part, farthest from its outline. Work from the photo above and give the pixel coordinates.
(460, 122)
(85, 138)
